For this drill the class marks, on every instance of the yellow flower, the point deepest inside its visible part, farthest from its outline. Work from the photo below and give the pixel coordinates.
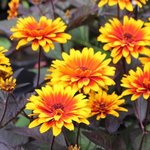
(43, 33)
(103, 104)
(3, 59)
(137, 83)
(125, 39)
(5, 71)
(8, 84)
(55, 107)
(82, 70)
(145, 59)
(123, 4)
(71, 147)
(13, 9)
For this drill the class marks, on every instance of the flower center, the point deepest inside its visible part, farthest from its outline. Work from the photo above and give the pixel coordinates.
(58, 106)
(83, 68)
(58, 111)
(102, 107)
(127, 36)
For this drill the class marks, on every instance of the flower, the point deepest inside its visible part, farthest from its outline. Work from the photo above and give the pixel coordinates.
(42, 33)
(137, 83)
(128, 4)
(5, 71)
(7, 85)
(3, 59)
(82, 70)
(125, 40)
(145, 59)
(71, 147)
(13, 11)
(55, 107)
(103, 104)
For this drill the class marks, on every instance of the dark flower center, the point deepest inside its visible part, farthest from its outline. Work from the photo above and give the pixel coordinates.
(83, 68)
(127, 36)
(58, 106)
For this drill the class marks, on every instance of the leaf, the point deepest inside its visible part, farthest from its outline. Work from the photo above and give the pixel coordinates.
(100, 138)
(41, 138)
(140, 109)
(5, 25)
(11, 139)
(22, 121)
(12, 108)
(5, 42)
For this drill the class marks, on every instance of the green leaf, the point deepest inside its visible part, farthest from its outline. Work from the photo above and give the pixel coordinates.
(22, 121)
(5, 42)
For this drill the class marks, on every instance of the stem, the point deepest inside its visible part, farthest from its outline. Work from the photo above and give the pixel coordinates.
(53, 8)
(5, 108)
(66, 139)
(118, 12)
(145, 123)
(39, 60)
(52, 143)
(124, 65)
(141, 143)
(136, 12)
(78, 134)
(62, 48)
(147, 112)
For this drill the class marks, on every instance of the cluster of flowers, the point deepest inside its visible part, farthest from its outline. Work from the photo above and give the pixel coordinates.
(13, 9)
(78, 84)
(7, 83)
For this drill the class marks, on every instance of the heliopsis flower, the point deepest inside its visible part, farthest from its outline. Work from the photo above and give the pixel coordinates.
(43, 33)
(8, 84)
(137, 83)
(145, 59)
(82, 70)
(71, 147)
(123, 4)
(5, 71)
(103, 104)
(124, 39)
(13, 9)
(3, 59)
(55, 107)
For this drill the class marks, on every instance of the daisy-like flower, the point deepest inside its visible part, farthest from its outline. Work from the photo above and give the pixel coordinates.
(55, 107)
(145, 59)
(3, 59)
(82, 70)
(5, 71)
(8, 84)
(13, 9)
(124, 39)
(43, 33)
(71, 147)
(137, 83)
(103, 104)
(123, 4)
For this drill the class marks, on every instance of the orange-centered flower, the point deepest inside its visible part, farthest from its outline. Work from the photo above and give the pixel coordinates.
(137, 83)
(13, 9)
(55, 107)
(103, 104)
(124, 39)
(123, 4)
(43, 33)
(82, 70)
